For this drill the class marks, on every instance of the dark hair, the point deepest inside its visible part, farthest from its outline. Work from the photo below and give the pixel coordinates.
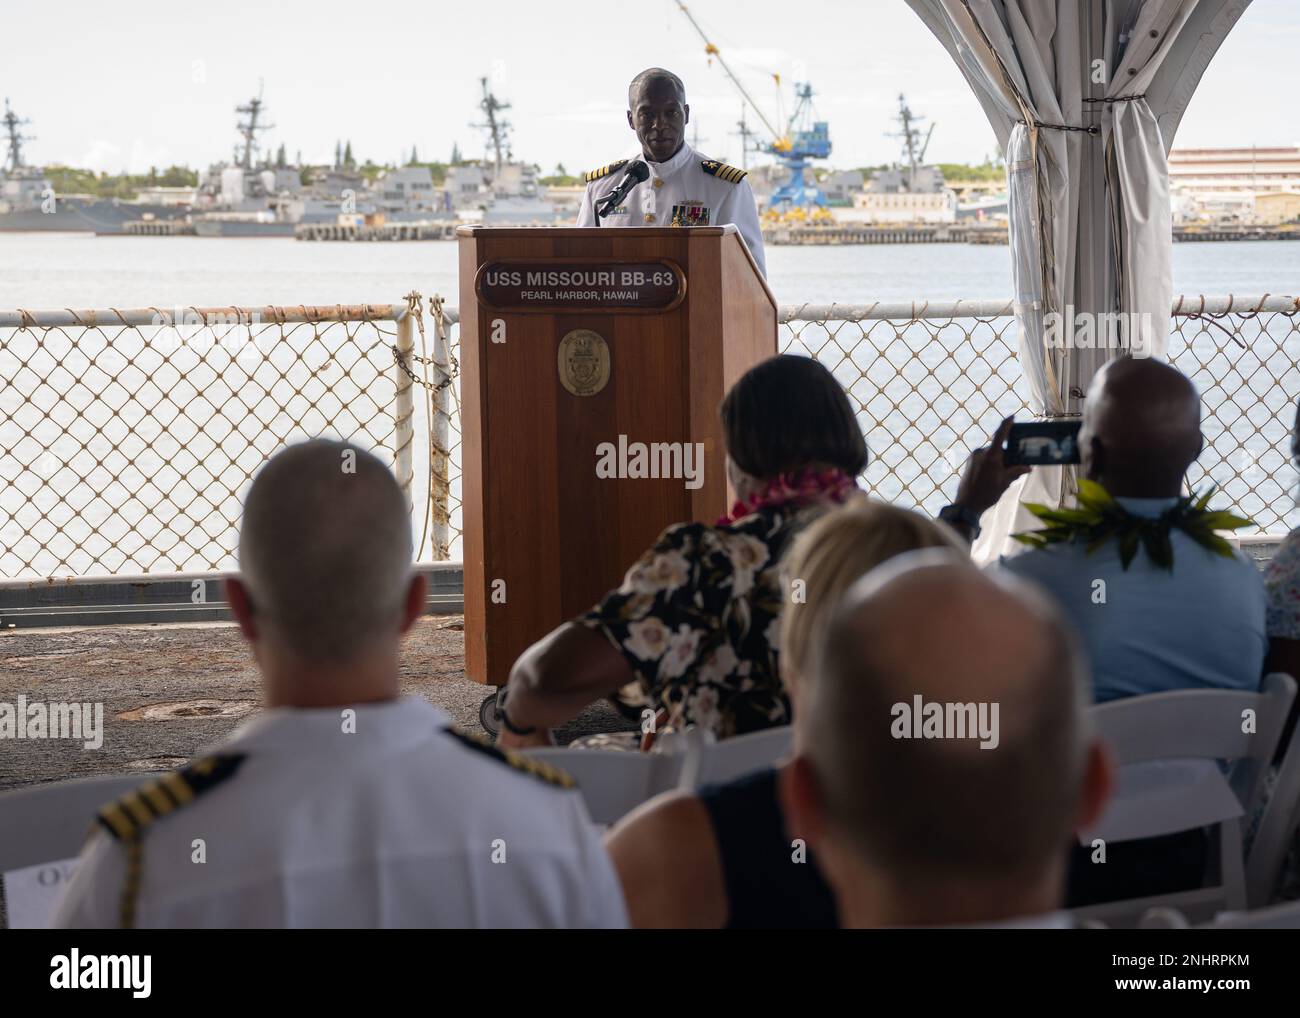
(787, 413)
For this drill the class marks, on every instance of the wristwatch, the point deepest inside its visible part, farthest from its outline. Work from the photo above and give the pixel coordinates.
(963, 515)
(505, 718)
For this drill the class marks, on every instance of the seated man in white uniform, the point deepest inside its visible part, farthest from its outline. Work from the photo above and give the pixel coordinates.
(343, 804)
(683, 188)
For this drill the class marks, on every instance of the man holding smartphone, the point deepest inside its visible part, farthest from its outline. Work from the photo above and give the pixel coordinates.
(986, 477)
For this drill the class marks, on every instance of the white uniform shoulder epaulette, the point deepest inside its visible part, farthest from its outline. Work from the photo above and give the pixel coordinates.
(604, 171)
(519, 761)
(127, 818)
(731, 174)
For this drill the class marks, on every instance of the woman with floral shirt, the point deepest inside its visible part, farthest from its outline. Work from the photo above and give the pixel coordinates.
(694, 624)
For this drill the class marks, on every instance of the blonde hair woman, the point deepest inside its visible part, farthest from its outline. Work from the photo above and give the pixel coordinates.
(721, 858)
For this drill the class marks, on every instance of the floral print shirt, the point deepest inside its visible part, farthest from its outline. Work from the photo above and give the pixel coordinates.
(1282, 582)
(697, 618)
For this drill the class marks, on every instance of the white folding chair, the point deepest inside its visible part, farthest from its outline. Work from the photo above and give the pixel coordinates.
(1280, 917)
(49, 823)
(1277, 826)
(709, 761)
(613, 783)
(1159, 739)
(1163, 919)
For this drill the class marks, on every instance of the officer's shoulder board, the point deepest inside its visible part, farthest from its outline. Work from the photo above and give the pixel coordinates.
(604, 171)
(519, 761)
(127, 817)
(731, 174)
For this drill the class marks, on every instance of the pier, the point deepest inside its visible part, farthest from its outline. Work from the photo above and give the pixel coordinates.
(924, 233)
(425, 230)
(953, 233)
(160, 228)
(1232, 231)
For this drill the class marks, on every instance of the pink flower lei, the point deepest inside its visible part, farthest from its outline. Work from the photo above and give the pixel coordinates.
(797, 489)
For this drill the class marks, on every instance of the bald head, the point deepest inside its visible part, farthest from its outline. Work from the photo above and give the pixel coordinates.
(657, 113)
(946, 723)
(325, 550)
(655, 78)
(1141, 428)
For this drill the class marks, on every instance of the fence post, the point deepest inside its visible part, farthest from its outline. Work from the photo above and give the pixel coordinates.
(404, 403)
(440, 435)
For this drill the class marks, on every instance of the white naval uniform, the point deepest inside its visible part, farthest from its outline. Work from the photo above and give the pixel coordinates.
(394, 825)
(680, 181)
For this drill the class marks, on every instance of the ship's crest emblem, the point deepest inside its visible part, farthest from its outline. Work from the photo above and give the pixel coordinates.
(583, 362)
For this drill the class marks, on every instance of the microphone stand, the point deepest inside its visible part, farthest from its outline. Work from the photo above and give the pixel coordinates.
(608, 203)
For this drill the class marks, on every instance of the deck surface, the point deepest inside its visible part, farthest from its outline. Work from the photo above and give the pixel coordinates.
(131, 669)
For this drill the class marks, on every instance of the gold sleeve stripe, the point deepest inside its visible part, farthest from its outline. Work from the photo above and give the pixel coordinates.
(137, 808)
(116, 820)
(604, 171)
(131, 883)
(130, 814)
(539, 769)
(157, 799)
(731, 174)
(177, 787)
(519, 761)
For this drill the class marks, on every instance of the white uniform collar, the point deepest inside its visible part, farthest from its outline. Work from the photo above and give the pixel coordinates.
(668, 167)
(299, 730)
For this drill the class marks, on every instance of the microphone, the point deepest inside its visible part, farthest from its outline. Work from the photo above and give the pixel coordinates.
(636, 173)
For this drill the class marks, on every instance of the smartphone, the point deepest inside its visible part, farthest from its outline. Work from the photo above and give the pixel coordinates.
(1042, 443)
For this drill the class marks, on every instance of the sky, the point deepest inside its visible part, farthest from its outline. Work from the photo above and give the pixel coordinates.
(128, 85)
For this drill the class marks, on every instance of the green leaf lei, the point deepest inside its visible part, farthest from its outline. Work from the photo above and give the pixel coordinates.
(1099, 518)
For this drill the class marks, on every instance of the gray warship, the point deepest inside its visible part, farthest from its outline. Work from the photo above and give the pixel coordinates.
(256, 198)
(28, 201)
(500, 191)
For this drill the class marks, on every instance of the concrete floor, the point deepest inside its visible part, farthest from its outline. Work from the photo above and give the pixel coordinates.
(137, 671)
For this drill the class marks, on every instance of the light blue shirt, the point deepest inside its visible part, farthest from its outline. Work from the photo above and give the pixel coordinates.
(1147, 630)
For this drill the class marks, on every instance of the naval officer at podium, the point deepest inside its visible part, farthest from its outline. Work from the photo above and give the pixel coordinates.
(667, 183)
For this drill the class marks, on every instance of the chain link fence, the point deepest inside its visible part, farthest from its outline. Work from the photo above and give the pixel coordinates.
(931, 381)
(127, 438)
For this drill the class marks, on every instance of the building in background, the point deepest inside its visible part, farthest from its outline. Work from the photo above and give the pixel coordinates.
(840, 186)
(901, 207)
(1226, 184)
(1278, 207)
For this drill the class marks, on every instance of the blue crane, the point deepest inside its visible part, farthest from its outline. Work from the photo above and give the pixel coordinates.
(799, 139)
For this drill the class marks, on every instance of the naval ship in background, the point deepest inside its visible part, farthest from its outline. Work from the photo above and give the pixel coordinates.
(253, 195)
(243, 198)
(29, 202)
(271, 201)
(500, 191)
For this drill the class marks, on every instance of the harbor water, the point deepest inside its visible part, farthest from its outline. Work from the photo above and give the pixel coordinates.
(71, 270)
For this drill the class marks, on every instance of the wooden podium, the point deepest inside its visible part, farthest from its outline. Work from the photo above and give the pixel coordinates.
(581, 348)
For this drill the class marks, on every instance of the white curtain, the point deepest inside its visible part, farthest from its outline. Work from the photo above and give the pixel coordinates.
(1063, 84)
